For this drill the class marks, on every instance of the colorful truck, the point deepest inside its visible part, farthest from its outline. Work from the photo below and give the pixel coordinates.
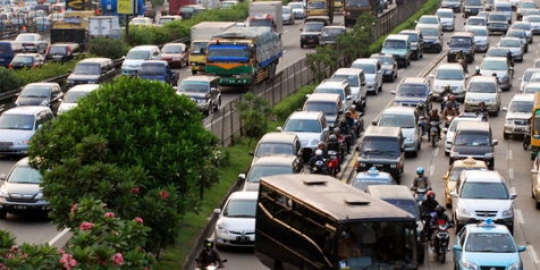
(320, 8)
(244, 56)
(200, 36)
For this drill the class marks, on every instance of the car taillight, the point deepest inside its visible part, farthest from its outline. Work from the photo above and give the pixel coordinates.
(10, 66)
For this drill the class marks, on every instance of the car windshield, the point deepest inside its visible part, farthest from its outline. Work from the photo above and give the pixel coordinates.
(14, 121)
(450, 74)
(394, 44)
(412, 90)
(351, 79)
(385, 60)
(313, 27)
(403, 121)
(332, 31)
(493, 65)
(316, 5)
(368, 68)
(257, 172)
(58, 50)
(357, 3)
(296, 5)
(413, 37)
(479, 32)
(24, 175)
(36, 91)
(428, 20)
(473, 2)
(527, 75)
(303, 125)
(497, 17)
(87, 69)
(340, 92)
(139, 21)
(490, 243)
(524, 4)
(25, 38)
(165, 20)
(73, 97)
(510, 43)
(522, 26)
(328, 108)
(240, 208)
(176, 48)
(430, 32)
(476, 21)
(532, 19)
(193, 87)
(517, 34)
(460, 42)
(407, 205)
(380, 146)
(482, 87)
(503, 8)
(471, 139)
(362, 183)
(531, 89)
(286, 10)
(444, 14)
(23, 59)
(484, 190)
(265, 149)
(521, 106)
(152, 69)
(141, 55)
(456, 172)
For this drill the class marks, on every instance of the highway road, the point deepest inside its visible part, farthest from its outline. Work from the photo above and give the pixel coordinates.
(511, 160)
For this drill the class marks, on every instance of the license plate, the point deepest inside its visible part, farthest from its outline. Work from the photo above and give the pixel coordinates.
(20, 207)
(378, 165)
(242, 238)
(310, 40)
(4, 148)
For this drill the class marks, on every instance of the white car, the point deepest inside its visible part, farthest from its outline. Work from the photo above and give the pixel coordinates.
(141, 21)
(18, 125)
(310, 127)
(137, 55)
(447, 18)
(500, 66)
(432, 20)
(518, 114)
(481, 37)
(482, 89)
(515, 45)
(298, 9)
(526, 78)
(32, 42)
(449, 74)
(451, 130)
(287, 15)
(73, 95)
(373, 73)
(534, 20)
(236, 223)
(525, 26)
(531, 88)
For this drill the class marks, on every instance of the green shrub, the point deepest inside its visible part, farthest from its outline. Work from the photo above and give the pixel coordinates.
(285, 107)
(49, 70)
(105, 47)
(9, 79)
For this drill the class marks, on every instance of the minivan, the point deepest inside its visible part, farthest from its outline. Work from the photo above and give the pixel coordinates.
(473, 139)
(382, 147)
(329, 104)
(373, 72)
(504, 7)
(137, 55)
(18, 125)
(400, 47)
(8, 50)
(91, 71)
(357, 81)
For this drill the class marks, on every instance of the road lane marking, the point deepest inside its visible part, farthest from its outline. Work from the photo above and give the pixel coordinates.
(436, 152)
(431, 170)
(519, 216)
(511, 174)
(510, 155)
(56, 238)
(534, 255)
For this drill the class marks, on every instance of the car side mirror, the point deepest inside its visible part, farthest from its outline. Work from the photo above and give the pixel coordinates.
(445, 130)
(217, 211)
(374, 122)
(513, 196)
(242, 176)
(251, 153)
(454, 194)
(393, 92)
(522, 248)
(495, 142)
(3, 177)
(457, 248)
(280, 129)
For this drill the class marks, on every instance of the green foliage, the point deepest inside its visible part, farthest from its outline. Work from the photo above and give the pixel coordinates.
(140, 35)
(253, 111)
(10, 80)
(134, 144)
(106, 47)
(49, 70)
(284, 108)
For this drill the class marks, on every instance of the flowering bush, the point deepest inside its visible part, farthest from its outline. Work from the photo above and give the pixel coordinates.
(102, 242)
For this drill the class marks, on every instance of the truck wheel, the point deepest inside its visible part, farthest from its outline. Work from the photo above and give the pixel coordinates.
(193, 72)
(302, 45)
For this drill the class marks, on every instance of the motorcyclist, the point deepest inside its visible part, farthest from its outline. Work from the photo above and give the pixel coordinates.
(422, 116)
(437, 216)
(477, 71)
(447, 91)
(322, 146)
(421, 181)
(482, 111)
(318, 161)
(449, 113)
(346, 127)
(208, 255)
(356, 116)
(434, 117)
(460, 56)
(334, 145)
(428, 206)
(451, 103)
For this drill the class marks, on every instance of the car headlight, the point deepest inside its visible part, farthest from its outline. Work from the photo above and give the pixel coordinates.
(39, 196)
(508, 213)
(393, 165)
(465, 211)
(488, 155)
(362, 164)
(222, 229)
(454, 154)
(3, 193)
(515, 266)
(22, 142)
(509, 122)
(470, 265)
(409, 139)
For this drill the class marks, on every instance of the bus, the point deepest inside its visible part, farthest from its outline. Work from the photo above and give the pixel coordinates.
(535, 126)
(312, 221)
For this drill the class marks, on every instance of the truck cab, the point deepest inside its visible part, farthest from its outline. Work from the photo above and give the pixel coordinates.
(354, 8)
(320, 8)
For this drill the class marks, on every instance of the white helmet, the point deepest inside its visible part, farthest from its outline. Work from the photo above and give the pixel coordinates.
(318, 152)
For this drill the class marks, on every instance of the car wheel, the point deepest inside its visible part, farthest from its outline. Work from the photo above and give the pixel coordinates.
(3, 214)
(218, 106)
(302, 45)
(506, 135)
(193, 72)
(537, 205)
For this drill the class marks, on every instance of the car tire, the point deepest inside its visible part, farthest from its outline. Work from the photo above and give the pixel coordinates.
(218, 106)
(3, 214)
(537, 205)
(193, 72)
(506, 135)
(302, 45)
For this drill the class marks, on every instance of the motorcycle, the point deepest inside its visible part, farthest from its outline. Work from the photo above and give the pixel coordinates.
(484, 115)
(434, 132)
(319, 168)
(420, 194)
(441, 238)
(333, 163)
(422, 124)
(212, 266)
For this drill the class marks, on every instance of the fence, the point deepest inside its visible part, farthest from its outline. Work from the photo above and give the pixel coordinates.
(393, 17)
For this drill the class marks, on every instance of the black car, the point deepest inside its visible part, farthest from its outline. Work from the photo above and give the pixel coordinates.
(471, 7)
(90, 71)
(190, 10)
(60, 52)
(417, 42)
(40, 94)
(310, 33)
(382, 147)
(461, 43)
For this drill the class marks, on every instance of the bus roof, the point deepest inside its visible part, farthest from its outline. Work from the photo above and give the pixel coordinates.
(336, 199)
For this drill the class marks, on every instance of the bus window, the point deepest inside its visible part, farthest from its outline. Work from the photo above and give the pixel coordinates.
(536, 124)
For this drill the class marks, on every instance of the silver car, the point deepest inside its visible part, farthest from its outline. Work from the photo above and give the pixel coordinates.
(447, 18)
(297, 9)
(515, 45)
(407, 119)
(18, 125)
(287, 16)
(481, 37)
(517, 115)
(501, 67)
(373, 72)
(449, 74)
(525, 26)
(534, 20)
(483, 89)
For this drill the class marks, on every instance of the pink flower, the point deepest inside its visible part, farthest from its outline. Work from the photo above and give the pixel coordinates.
(164, 194)
(118, 259)
(73, 208)
(135, 190)
(68, 261)
(86, 226)
(109, 215)
(138, 220)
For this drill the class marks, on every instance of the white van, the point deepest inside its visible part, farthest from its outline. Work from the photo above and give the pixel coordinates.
(137, 55)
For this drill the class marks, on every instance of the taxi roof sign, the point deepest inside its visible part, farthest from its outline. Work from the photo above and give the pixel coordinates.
(373, 171)
(488, 223)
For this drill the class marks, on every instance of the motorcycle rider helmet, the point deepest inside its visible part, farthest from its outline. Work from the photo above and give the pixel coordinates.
(318, 152)
(440, 209)
(430, 195)
(451, 98)
(337, 130)
(420, 171)
(208, 243)
(332, 138)
(420, 106)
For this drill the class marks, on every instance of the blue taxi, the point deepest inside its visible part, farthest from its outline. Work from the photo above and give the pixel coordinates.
(486, 245)
(371, 177)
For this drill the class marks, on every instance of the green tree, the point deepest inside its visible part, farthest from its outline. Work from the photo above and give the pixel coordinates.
(254, 111)
(135, 145)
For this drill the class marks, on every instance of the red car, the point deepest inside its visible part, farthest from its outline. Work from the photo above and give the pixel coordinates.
(176, 54)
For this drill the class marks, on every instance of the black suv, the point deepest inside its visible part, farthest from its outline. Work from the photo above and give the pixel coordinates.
(382, 147)
(417, 42)
(461, 42)
(310, 33)
(92, 70)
